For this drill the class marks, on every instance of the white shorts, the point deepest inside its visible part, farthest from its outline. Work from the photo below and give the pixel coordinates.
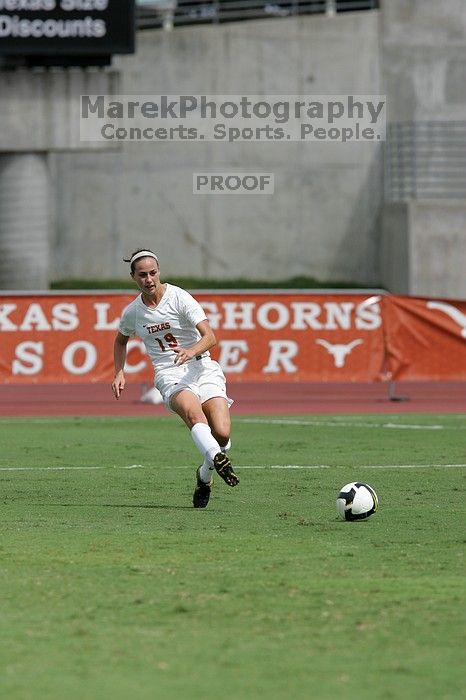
(204, 377)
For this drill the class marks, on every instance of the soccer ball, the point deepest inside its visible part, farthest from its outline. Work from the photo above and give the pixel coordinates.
(357, 501)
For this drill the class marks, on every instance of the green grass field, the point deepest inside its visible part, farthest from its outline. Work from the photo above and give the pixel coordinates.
(113, 586)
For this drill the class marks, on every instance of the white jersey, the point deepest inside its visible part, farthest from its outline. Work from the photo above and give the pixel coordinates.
(171, 324)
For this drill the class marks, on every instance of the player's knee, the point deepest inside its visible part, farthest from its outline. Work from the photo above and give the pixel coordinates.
(221, 434)
(192, 416)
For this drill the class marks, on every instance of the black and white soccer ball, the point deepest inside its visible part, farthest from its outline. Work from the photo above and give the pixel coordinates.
(357, 501)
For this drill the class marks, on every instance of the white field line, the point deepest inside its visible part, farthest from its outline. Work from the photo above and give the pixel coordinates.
(274, 421)
(334, 423)
(349, 424)
(364, 466)
(240, 467)
(71, 469)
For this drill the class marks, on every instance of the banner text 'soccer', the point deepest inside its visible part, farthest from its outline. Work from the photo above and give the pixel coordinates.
(353, 337)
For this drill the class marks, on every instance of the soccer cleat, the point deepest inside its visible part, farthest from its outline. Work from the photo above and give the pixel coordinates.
(202, 491)
(224, 469)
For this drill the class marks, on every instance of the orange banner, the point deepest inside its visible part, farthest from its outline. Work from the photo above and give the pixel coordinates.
(59, 338)
(425, 338)
(68, 338)
(260, 337)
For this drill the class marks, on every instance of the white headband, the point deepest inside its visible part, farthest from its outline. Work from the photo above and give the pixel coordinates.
(143, 254)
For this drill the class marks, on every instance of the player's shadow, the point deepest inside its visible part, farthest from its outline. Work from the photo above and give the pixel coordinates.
(114, 505)
(144, 505)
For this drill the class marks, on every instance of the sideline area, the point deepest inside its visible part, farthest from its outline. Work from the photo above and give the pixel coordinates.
(249, 398)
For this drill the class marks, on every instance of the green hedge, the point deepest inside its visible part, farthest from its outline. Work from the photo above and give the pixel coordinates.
(198, 283)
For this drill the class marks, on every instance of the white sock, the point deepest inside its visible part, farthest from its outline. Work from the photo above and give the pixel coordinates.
(227, 446)
(207, 446)
(206, 472)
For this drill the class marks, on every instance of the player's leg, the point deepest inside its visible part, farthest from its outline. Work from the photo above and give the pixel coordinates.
(218, 417)
(216, 404)
(217, 412)
(187, 405)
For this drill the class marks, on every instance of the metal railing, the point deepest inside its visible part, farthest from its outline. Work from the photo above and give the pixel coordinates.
(425, 160)
(159, 14)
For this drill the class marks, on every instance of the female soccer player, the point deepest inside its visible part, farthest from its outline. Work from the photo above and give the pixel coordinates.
(178, 337)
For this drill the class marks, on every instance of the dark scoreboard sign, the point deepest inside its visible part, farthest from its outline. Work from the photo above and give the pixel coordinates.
(66, 27)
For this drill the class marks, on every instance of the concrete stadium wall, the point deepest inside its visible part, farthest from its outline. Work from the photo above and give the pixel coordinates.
(394, 251)
(39, 113)
(326, 218)
(39, 110)
(423, 247)
(24, 221)
(424, 59)
(320, 222)
(437, 240)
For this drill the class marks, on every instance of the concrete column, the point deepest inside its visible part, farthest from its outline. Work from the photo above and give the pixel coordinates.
(24, 221)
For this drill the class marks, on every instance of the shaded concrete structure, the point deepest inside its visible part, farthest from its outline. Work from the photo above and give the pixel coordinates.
(328, 218)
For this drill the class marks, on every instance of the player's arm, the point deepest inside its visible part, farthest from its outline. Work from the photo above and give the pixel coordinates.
(119, 359)
(206, 341)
